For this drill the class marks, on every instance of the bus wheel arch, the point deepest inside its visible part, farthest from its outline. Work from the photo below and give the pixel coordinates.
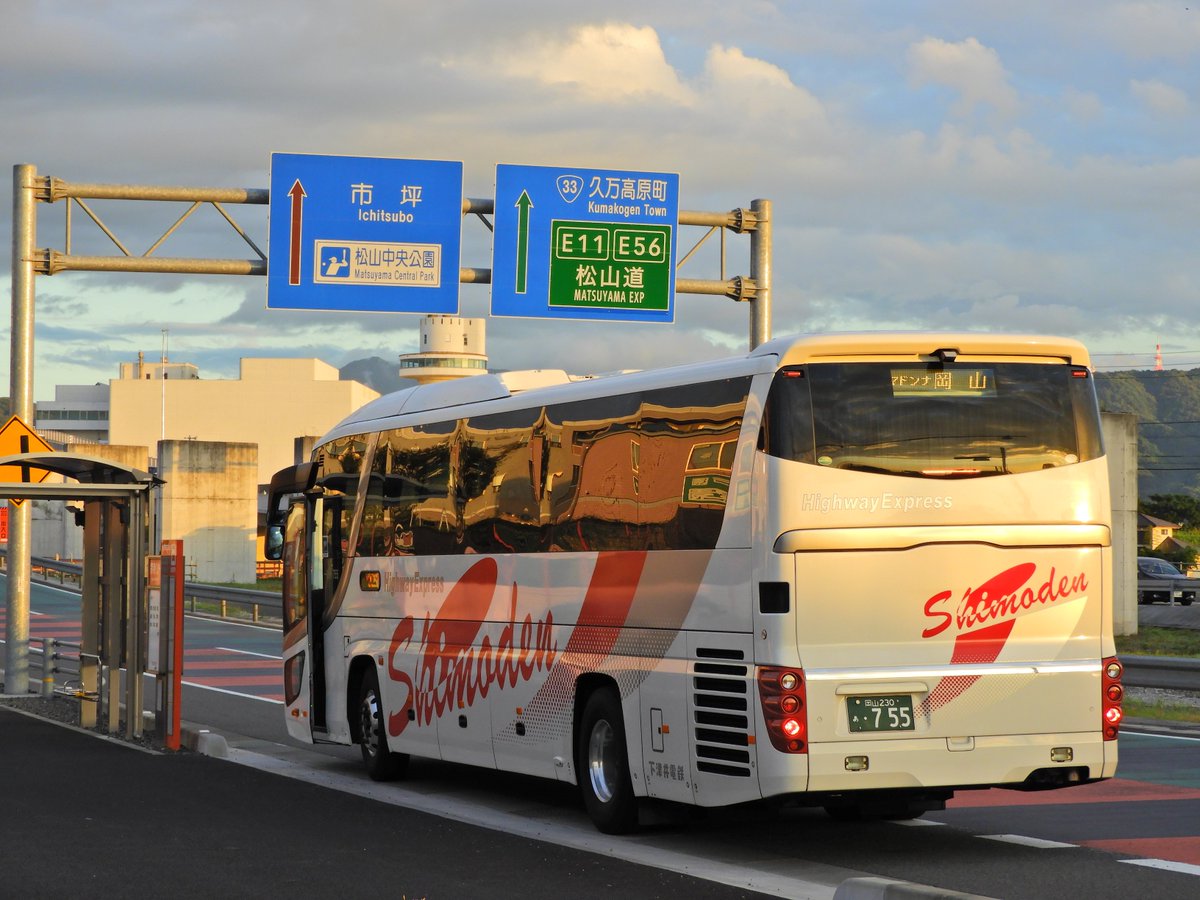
(366, 715)
(602, 756)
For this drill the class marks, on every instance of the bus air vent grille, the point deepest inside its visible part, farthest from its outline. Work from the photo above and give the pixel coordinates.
(720, 715)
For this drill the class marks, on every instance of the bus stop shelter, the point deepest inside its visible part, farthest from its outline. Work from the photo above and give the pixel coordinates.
(120, 628)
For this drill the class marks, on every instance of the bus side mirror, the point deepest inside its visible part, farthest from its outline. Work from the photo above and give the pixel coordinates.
(273, 546)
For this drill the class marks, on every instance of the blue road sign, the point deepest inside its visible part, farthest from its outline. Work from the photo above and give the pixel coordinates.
(364, 234)
(584, 244)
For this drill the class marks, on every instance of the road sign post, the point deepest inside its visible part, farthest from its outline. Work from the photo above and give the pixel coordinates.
(585, 244)
(364, 234)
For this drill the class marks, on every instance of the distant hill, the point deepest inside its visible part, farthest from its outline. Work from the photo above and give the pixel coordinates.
(1167, 405)
(376, 373)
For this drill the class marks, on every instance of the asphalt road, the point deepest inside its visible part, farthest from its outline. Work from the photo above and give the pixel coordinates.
(1107, 840)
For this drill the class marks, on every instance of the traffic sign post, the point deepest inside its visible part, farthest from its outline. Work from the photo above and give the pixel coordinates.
(364, 234)
(584, 244)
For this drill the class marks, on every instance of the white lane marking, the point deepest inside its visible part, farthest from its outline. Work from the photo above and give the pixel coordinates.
(916, 823)
(213, 621)
(249, 652)
(209, 687)
(1169, 865)
(1024, 841)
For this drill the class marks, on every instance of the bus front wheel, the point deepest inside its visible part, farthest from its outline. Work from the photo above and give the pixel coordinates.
(603, 765)
(381, 763)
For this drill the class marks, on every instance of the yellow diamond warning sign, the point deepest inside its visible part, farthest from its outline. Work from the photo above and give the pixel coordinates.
(17, 437)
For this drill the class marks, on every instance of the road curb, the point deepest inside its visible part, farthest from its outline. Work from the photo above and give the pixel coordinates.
(875, 888)
(201, 740)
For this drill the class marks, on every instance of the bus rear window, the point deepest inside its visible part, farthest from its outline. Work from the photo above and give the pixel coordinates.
(933, 420)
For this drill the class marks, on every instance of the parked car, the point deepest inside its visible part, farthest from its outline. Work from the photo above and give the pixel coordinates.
(1161, 582)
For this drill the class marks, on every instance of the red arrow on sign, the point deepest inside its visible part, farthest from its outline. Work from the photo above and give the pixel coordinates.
(297, 194)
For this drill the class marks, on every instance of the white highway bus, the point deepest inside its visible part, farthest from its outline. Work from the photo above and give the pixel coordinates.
(856, 571)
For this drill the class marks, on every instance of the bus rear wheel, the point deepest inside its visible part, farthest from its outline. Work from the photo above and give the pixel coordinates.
(602, 765)
(381, 763)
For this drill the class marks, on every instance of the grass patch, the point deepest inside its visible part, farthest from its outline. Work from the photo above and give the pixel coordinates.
(1153, 641)
(1168, 712)
(263, 584)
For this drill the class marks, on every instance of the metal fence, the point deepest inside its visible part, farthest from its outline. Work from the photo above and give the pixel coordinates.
(199, 599)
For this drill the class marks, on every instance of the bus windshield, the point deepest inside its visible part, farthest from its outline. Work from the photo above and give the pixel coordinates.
(930, 420)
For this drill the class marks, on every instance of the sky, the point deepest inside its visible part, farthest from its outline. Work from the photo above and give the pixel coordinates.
(1019, 166)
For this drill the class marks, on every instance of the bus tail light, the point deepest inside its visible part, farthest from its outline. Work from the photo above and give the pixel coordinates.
(1113, 693)
(782, 694)
(293, 675)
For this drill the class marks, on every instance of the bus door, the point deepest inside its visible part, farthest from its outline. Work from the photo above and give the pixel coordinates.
(315, 553)
(297, 628)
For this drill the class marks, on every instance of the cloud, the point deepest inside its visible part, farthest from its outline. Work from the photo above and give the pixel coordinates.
(615, 63)
(1150, 29)
(1161, 98)
(755, 86)
(1083, 106)
(967, 67)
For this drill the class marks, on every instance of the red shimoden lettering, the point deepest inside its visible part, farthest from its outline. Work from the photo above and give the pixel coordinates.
(1002, 598)
(451, 670)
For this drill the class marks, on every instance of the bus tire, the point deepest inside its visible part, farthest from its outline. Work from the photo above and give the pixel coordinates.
(381, 763)
(603, 765)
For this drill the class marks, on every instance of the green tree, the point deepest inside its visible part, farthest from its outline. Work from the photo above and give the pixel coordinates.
(1181, 509)
(1178, 395)
(1124, 392)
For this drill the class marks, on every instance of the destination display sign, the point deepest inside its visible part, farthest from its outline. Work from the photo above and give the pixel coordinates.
(585, 244)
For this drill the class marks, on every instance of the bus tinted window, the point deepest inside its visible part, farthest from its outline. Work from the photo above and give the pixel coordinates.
(934, 421)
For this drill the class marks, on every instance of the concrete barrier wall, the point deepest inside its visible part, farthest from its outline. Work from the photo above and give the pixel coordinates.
(1120, 445)
(209, 502)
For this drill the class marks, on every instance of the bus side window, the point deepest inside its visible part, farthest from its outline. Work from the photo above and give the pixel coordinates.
(417, 505)
(689, 440)
(501, 509)
(787, 430)
(340, 463)
(601, 506)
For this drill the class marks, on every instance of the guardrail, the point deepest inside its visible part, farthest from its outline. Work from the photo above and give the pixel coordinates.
(55, 661)
(200, 599)
(1178, 673)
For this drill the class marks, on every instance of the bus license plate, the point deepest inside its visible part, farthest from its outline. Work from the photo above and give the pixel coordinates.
(881, 712)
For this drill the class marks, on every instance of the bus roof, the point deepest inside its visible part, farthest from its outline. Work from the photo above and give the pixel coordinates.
(799, 349)
(784, 351)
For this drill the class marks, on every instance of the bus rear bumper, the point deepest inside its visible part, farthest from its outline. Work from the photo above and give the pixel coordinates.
(1030, 761)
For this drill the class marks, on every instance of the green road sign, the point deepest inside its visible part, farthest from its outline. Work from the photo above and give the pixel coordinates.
(584, 244)
(606, 265)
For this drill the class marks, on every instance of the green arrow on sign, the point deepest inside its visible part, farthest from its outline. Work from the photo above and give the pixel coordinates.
(523, 205)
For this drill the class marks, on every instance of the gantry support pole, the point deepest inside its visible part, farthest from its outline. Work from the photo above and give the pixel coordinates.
(24, 240)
